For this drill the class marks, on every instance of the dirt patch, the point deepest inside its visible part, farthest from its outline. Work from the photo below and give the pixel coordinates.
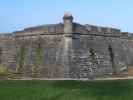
(130, 71)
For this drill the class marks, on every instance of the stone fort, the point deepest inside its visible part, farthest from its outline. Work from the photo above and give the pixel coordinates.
(67, 50)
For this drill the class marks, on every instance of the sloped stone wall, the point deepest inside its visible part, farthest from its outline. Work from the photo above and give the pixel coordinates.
(87, 52)
(43, 56)
(99, 55)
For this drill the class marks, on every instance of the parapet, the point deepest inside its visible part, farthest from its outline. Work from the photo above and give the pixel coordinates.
(6, 36)
(77, 28)
(43, 29)
(101, 29)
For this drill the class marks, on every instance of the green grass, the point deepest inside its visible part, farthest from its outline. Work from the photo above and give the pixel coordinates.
(66, 90)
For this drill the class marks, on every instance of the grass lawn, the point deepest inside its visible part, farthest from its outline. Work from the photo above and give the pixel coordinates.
(66, 90)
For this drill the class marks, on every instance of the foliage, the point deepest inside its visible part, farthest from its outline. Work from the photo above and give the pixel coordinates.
(3, 69)
(21, 59)
(5, 73)
(37, 61)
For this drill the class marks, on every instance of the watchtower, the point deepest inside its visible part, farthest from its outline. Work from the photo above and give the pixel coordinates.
(68, 23)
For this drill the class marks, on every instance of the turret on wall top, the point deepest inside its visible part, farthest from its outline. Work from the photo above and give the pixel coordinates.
(68, 23)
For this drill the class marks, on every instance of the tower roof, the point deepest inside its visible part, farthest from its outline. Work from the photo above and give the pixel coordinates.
(68, 15)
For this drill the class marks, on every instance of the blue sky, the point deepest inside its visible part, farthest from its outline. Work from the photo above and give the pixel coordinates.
(18, 14)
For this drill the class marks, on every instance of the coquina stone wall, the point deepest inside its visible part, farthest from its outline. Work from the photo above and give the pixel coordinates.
(67, 50)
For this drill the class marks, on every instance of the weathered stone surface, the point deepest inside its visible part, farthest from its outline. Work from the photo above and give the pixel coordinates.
(67, 50)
